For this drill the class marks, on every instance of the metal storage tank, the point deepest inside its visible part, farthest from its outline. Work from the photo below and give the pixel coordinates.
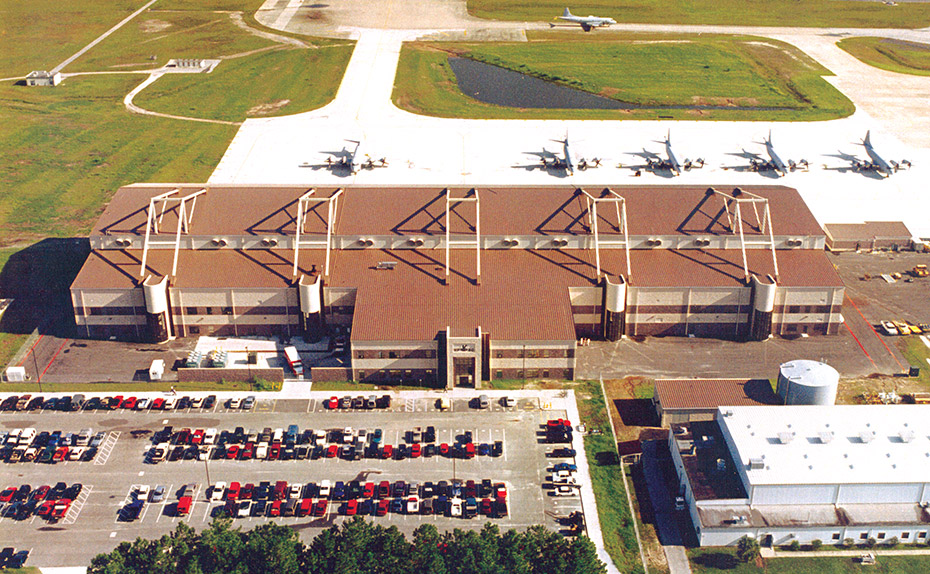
(804, 382)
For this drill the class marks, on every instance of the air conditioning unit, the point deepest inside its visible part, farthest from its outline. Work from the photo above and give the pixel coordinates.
(560, 242)
(366, 242)
(220, 241)
(653, 242)
(269, 241)
(415, 241)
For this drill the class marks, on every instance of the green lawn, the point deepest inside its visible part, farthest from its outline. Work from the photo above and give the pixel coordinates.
(819, 13)
(889, 54)
(716, 560)
(279, 82)
(740, 73)
(916, 354)
(612, 507)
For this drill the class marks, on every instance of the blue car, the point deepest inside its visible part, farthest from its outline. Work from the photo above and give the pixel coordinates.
(397, 505)
(339, 491)
(565, 466)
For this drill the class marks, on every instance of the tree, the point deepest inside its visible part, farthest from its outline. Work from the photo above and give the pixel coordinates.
(425, 557)
(816, 543)
(747, 549)
(582, 557)
(221, 548)
(273, 549)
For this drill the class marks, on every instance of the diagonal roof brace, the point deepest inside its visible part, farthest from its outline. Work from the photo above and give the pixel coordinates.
(304, 203)
(470, 197)
(160, 203)
(608, 196)
(739, 198)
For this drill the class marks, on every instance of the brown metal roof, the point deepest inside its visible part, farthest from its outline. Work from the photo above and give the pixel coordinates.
(704, 394)
(867, 231)
(410, 301)
(209, 269)
(506, 210)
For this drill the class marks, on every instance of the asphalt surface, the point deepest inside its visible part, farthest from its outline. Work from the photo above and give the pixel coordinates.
(122, 465)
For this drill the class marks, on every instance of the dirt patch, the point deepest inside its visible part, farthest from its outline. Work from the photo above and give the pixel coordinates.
(263, 109)
(867, 390)
(153, 26)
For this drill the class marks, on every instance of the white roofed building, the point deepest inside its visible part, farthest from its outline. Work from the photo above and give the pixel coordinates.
(785, 473)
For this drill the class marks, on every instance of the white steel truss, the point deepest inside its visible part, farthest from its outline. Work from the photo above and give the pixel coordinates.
(470, 197)
(742, 197)
(609, 196)
(152, 223)
(304, 204)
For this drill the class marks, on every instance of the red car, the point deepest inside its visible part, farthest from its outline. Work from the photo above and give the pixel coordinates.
(319, 509)
(184, 506)
(387, 452)
(233, 492)
(232, 451)
(61, 453)
(332, 403)
(369, 491)
(469, 450)
(332, 451)
(158, 403)
(500, 491)
(280, 490)
(384, 489)
(247, 451)
(486, 506)
(274, 452)
(444, 449)
(415, 450)
(246, 492)
(275, 508)
(351, 507)
(41, 492)
(305, 506)
(60, 509)
(130, 403)
(197, 437)
(555, 423)
(7, 495)
(382, 507)
(45, 509)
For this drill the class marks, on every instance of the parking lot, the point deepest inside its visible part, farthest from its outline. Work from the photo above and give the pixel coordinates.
(109, 481)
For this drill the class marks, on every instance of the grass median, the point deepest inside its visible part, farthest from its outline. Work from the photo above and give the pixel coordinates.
(890, 54)
(798, 13)
(661, 76)
(613, 510)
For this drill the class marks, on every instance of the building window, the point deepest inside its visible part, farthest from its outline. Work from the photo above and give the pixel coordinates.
(361, 355)
(921, 535)
(227, 310)
(392, 355)
(361, 375)
(500, 355)
(791, 328)
(532, 374)
(499, 375)
(194, 330)
(208, 310)
(905, 535)
(519, 374)
(836, 535)
(864, 536)
(545, 353)
(431, 354)
(881, 535)
(190, 310)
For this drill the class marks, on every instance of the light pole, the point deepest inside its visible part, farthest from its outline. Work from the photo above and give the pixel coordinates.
(248, 364)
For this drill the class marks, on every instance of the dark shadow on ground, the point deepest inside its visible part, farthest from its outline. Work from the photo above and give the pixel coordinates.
(717, 560)
(38, 279)
(636, 412)
(761, 390)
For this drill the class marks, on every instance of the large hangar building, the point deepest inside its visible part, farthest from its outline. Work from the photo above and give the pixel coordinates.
(456, 285)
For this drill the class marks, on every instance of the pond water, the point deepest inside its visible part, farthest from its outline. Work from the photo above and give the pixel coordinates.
(502, 87)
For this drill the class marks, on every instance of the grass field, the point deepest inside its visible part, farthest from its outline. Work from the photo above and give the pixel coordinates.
(888, 54)
(743, 74)
(612, 508)
(264, 84)
(804, 13)
(716, 560)
(916, 354)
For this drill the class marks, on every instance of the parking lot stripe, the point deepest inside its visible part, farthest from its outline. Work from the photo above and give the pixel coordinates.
(75, 509)
(103, 455)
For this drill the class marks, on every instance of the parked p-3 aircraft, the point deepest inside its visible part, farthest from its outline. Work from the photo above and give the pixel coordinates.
(876, 162)
(350, 161)
(551, 161)
(671, 162)
(775, 163)
(587, 22)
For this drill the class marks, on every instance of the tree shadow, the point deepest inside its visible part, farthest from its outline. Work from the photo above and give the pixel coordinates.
(636, 412)
(717, 560)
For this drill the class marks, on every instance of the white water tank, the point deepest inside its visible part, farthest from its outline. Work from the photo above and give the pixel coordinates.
(311, 294)
(616, 296)
(804, 382)
(155, 290)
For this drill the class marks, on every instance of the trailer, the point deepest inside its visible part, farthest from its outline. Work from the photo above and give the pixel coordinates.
(293, 360)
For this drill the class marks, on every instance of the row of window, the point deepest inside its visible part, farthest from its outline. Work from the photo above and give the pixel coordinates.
(406, 354)
(881, 536)
(807, 308)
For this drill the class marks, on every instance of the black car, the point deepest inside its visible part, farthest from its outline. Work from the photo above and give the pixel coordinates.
(442, 488)
(497, 449)
(176, 453)
(302, 452)
(35, 403)
(401, 452)
(339, 491)
(5, 555)
(354, 489)
(310, 490)
(50, 404)
(133, 510)
(22, 493)
(317, 452)
(259, 507)
(73, 491)
(467, 437)
(209, 402)
(57, 491)
(41, 440)
(23, 511)
(429, 490)
(429, 450)
(18, 560)
(565, 452)
(400, 488)
(64, 404)
(384, 402)
(485, 489)
(430, 434)
(263, 490)
(184, 403)
(358, 403)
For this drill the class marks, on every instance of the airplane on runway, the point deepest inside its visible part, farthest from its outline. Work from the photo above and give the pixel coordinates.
(876, 162)
(587, 22)
(551, 161)
(774, 163)
(349, 160)
(671, 162)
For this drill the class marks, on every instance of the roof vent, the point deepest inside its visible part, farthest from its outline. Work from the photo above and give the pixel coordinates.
(785, 437)
(220, 241)
(653, 242)
(510, 242)
(702, 242)
(756, 464)
(867, 436)
(270, 241)
(728, 413)
(366, 241)
(907, 435)
(560, 242)
(826, 437)
(415, 241)
(388, 265)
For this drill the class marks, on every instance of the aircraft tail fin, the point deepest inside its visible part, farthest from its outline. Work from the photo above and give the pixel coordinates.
(769, 140)
(567, 13)
(868, 139)
(668, 137)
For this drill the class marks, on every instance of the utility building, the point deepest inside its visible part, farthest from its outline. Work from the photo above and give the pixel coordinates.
(785, 473)
(456, 285)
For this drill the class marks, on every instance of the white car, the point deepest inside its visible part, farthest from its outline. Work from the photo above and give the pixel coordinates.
(563, 490)
(413, 505)
(142, 492)
(245, 507)
(170, 403)
(196, 402)
(204, 452)
(325, 488)
(217, 492)
(209, 437)
(295, 490)
(455, 507)
(142, 404)
(234, 403)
